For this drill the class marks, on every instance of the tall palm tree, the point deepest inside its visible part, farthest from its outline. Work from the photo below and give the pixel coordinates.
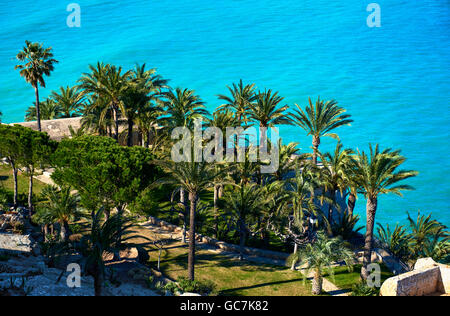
(107, 83)
(319, 120)
(182, 107)
(320, 257)
(194, 178)
(266, 111)
(377, 174)
(62, 206)
(38, 62)
(221, 119)
(69, 100)
(239, 101)
(333, 175)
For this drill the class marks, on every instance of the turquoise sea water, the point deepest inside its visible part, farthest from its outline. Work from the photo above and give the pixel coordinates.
(394, 80)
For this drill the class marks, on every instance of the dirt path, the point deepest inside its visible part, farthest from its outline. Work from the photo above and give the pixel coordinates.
(159, 232)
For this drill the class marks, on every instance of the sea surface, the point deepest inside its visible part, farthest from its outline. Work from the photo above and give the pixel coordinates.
(394, 80)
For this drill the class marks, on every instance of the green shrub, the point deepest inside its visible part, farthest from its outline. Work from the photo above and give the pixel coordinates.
(200, 287)
(362, 289)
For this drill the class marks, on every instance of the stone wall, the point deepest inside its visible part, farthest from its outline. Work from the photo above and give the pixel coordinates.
(56, 129)
(427, 278)
(15, 243)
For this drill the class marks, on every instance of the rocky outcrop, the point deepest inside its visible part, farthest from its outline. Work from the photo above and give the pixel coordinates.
(15, 243)
(427, 278)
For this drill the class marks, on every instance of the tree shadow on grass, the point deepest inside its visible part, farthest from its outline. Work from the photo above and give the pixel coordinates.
(234, 291)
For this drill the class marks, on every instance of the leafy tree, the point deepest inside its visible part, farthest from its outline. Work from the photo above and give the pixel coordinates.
(320, 257)
(27, 148)
(37, 63)
(104, 173)
(36, 152)
(319, 120)
(377, 174)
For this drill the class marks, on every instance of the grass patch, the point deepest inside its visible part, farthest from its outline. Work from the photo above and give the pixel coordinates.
(231, 277)
(7, 183)
(345, 280)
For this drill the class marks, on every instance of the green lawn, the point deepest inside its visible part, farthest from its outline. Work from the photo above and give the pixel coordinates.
(7, 182)
(345, 280)
(231, 277)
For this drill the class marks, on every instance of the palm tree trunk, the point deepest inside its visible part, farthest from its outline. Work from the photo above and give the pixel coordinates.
(130, 133)
(64, 233)
(371, 210)
(191, 257)
(315, 143)
(182, 201)
(216, 211)
(317, 283)
(351, 204)
(242, 238)
(45, 231)
(294, 262)
(116, 123)
(98, 282)
(38, 109)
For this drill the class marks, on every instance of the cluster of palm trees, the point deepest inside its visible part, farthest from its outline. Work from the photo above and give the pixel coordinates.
(288, 203)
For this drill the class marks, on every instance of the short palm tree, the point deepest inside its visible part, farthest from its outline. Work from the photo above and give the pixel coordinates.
(397, 241)
(194, 178)
(62, 206)
(320, 256)
(103, 238)
(49, 110)
(69, 100)
(377, 174)
(38, 62)
(239, 101)
(429, 237)
(319, 120)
